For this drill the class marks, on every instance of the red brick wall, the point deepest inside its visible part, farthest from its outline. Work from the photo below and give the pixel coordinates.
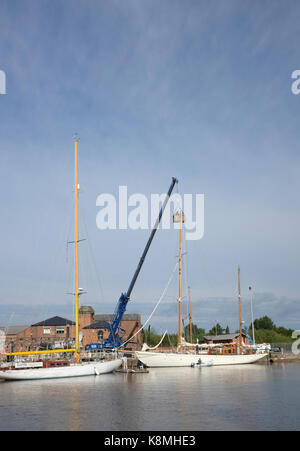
(85, 319)
(130, 328)
(31, 338)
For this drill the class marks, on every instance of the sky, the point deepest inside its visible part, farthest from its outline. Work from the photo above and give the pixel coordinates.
(197, 90)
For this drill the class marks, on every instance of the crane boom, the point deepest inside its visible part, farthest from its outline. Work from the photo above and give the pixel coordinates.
(113, 340)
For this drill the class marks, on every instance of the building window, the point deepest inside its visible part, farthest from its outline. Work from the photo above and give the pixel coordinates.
(60, 330)
(100, 335)
(47, 330)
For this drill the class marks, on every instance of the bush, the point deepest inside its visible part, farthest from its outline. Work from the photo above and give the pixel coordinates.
(270, 336)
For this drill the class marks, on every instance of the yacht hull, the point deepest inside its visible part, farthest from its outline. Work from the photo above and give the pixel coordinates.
(76, 370)
(164, 360)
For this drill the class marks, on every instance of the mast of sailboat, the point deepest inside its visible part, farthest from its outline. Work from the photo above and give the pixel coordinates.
(179, 284)
(252, 318)
(190, 316)
(77, 291)
(76, 249)
(240, 306)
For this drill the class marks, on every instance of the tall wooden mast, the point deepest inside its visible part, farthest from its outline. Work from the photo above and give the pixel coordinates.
(240, 306)
(76, 249)
(180, 287)
(190, 316)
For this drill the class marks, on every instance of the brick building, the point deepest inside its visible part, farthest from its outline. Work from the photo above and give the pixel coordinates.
(12, 334)
(98, 330)
(53, 333)
(59, 333)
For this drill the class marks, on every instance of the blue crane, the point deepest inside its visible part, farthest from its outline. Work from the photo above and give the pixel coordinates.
(114, 341)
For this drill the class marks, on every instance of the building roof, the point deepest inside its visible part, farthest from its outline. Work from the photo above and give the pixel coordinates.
(13, 330)
(222, 337)
(98, 325)
(55, 321)
(109, 317)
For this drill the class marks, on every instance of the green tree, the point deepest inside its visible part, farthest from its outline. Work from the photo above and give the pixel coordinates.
(152, 338)
(197, 333)
(264, 323)
(216, 330)
(267, 332)
(283, 331)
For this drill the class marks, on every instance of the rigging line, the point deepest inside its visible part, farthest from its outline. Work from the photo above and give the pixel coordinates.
(170, 341)
(54, 262)
(157, 304)
(71, 219)
(70, 278)
(92, 254)
(84, 263)
(185, 247)
(70, 264)
(186, 272)
(9, 322)
(184, 264)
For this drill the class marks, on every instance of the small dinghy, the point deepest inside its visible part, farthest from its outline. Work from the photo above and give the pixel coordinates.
(199, 364)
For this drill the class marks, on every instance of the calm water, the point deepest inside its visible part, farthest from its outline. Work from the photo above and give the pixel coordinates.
(254, 397)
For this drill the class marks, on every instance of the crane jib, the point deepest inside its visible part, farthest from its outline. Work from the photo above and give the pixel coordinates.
(114, 339)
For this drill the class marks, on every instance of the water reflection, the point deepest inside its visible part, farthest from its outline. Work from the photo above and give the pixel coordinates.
(217, 398)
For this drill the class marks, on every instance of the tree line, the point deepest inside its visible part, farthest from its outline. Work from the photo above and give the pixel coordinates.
(265, 329)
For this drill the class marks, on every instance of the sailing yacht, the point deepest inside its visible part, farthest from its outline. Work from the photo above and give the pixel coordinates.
(65, 369)
(225, 356)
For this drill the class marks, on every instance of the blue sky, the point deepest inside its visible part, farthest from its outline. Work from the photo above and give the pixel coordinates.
(198, 90)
